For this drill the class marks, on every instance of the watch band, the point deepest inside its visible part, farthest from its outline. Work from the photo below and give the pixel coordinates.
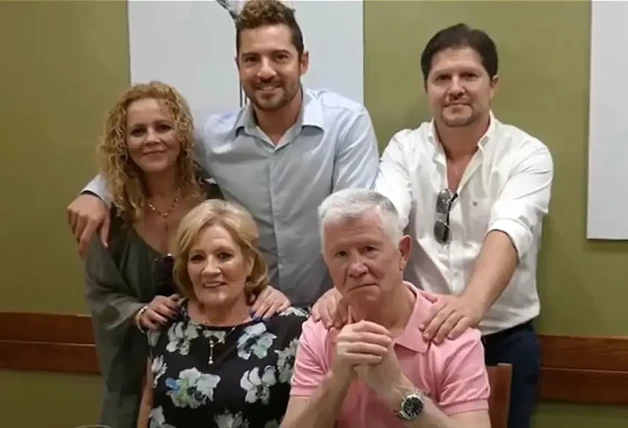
(411, 406)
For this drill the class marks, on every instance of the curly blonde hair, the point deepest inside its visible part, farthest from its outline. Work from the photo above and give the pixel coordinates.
(123, 176)
(238, 222)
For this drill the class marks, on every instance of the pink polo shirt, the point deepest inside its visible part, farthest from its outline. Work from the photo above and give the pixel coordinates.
(453, 373)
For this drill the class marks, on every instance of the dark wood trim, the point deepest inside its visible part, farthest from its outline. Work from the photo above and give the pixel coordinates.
(576, 369)
(49, 357)
(585, 353)
(584, 386)
(46, 327)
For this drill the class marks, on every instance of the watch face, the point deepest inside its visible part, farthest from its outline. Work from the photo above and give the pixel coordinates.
(412, 406)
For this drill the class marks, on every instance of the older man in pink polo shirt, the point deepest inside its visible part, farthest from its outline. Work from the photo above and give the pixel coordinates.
(378, 371)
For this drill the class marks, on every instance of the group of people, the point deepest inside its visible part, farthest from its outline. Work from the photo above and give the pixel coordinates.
(268, 269)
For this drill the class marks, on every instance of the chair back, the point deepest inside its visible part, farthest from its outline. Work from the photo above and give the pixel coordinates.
(499, 377)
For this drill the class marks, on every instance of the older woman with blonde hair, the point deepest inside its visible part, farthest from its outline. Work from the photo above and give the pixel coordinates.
(145, 155)
(214, 365)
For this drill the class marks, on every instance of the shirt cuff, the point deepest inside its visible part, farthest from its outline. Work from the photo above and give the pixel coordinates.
(519, 234)
(296, 391)
(469, 406)
(98, 187)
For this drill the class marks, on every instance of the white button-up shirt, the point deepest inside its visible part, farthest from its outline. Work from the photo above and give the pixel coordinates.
(505, 187)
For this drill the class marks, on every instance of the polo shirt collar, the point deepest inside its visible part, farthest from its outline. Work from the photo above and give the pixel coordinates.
(412, 337)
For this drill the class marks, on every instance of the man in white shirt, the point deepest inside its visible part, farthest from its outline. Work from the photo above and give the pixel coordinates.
(473, 192)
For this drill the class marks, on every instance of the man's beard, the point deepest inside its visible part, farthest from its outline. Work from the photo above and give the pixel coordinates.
(282, 100)
(459, 121)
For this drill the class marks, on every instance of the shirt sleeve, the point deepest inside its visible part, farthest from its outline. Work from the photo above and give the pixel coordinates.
(524, 200)
(464, 384)
(357, 155)
(393, 177)
(310, 366)
(98, 187)
(106, 292)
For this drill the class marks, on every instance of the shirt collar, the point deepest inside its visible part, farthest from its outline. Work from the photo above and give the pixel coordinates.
(412, 337)
(311, 114)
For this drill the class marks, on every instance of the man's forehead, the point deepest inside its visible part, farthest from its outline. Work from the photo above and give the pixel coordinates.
(347, 228)
(456, 57)
(272, 37)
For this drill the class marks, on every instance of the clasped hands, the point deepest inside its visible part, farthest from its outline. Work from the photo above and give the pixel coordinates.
(365, 350)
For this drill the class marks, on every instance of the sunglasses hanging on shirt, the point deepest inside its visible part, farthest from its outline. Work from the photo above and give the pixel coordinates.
(444, 201)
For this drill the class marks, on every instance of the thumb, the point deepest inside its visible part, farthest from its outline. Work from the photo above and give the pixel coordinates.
(430, 296)
(104, 230)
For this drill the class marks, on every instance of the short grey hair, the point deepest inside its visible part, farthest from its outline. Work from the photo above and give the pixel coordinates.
(353, 203)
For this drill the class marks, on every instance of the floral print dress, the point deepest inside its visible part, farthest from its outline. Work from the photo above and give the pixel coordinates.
(247, 385)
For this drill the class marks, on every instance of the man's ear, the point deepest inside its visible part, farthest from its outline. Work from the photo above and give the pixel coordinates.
(304, 63)
(405, 247)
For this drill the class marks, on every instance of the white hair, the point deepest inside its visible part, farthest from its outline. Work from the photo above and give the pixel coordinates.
(354, 203)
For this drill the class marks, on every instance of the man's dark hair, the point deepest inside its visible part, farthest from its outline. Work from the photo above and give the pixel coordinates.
(461, 36)
(261, 13)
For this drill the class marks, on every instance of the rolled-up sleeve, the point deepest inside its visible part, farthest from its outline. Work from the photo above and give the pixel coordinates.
(393, 178)
(524, 200)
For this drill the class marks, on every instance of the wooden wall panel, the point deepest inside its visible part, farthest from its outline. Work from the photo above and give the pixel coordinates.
(592, 370)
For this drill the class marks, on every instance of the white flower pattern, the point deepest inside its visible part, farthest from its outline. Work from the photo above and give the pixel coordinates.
(295, 311)
(186, 388)
(228, 420)
(180, 334)
(157, 419)
(255, 340)
(256, 387)
(158, 368)
(285, 361)
(192, 388)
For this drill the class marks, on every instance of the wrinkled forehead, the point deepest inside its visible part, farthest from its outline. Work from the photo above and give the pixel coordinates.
(348, 231)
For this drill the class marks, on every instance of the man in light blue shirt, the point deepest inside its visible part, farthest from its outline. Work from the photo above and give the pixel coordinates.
(279, 157)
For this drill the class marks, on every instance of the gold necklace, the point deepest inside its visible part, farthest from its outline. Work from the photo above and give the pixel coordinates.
(213, 343)
(167, 213)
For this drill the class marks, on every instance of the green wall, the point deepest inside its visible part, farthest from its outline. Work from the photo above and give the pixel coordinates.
(63, 63)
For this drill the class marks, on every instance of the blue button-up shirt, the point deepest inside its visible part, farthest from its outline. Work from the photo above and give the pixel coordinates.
(331, 146)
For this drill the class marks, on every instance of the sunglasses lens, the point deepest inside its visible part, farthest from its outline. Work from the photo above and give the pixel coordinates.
(441, 231)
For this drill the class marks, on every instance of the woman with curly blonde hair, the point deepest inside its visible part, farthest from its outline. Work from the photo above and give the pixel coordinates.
(145, 153)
